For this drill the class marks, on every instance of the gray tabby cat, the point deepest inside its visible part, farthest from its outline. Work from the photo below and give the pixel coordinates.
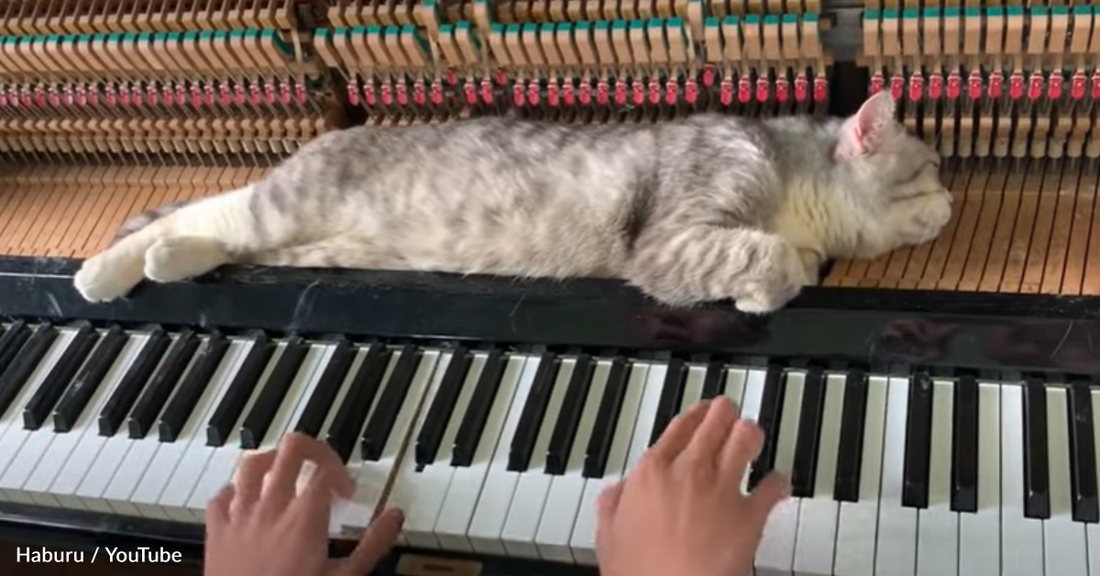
(704, 208)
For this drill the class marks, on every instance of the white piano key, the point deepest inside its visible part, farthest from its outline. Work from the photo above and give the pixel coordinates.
(775, 556)
(647, 414)
(1092, 531)
(938, 525)
(693, 387)
(460, 501)
(897, 525)
(735, 385)
(533, 487)
(980, 532)
(420, 493)
(818, 515)
(1065, 549)
(373, 477)
(750, 408)
(35, 442)
(65, 448)
(567, 491)
(161, 471)
(857, 526)
(112, 458)
(486, 528)
(139, 458)
(1021, 537)
(14, 436)
(89, 453)
(174, 498)
(224, 459)
(583, 541)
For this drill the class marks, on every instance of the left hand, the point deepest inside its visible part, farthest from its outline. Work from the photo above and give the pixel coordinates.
(261, 526)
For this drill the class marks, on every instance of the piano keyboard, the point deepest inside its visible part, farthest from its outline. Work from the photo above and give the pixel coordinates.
(502, 452)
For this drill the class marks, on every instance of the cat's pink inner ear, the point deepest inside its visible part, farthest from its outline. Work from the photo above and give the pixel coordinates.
(864, 130)
(872, 119)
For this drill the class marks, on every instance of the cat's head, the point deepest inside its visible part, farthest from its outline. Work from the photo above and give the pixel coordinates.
(894, 175)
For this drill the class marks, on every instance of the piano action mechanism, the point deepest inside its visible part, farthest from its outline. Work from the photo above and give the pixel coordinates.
(935, 408)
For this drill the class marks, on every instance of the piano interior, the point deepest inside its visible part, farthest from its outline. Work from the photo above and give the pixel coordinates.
(109, 108)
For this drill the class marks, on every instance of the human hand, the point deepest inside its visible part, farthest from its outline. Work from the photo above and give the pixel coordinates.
(681, 511)
(263, 525)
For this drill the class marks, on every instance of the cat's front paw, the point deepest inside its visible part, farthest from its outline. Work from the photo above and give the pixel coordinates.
(780, 275)
(106, 276)
(927, 215)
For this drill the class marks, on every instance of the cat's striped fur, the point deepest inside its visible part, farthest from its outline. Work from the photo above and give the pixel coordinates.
(704, 208)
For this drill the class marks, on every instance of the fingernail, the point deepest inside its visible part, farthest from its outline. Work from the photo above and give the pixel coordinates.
(393, 515)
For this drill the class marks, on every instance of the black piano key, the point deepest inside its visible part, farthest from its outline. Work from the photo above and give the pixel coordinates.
(565, 430)
(126, 393)
(918, 442)
(607, 419)
(713, 382)
(349, 418)
(442, 408)
(668, 405)
(804, 471)
(1036, 458)
(162, 384)
(15, 377)
(534, 411)
(76, 398)
(263, 411)
(473, 423)
(191, 389)
(771, 416)
(10, 343)
(328, 387)
(380, 426)
(849, 458)
(964, 451)
(240, 390)
(40, 405)
(1086, 507)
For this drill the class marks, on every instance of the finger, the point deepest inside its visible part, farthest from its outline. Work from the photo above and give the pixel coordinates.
(317, 498)
(217, 509)
(772, 490)
(294, 449)
(707, 443)
(249, 479)
(743, 445)
(376, 542)
(678, 433)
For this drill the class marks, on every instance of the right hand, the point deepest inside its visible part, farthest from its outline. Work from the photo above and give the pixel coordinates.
(681, 511)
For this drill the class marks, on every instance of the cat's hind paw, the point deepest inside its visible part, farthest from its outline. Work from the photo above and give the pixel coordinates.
(181, 257)
(107, 276)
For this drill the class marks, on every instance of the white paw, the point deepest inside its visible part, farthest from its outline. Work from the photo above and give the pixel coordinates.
(181, 257)
(107, 276)
(779, 277)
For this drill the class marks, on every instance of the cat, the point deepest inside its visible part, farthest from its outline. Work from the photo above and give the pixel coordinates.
(704, 208)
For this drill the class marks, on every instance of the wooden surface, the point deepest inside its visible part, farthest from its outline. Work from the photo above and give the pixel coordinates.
(101, 567)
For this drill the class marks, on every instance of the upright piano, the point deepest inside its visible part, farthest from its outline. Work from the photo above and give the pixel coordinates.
(936, 409)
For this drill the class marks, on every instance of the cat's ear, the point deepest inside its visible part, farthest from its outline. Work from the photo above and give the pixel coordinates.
(861, 133)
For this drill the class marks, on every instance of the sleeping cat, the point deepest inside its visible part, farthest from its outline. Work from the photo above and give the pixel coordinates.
(704, 208)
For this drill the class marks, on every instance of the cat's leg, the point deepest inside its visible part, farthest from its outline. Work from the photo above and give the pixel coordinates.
(759, 270)
(190, 241)
(341, 251)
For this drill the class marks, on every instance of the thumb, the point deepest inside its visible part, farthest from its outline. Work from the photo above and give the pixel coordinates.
(376, 542)
(770, 492)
